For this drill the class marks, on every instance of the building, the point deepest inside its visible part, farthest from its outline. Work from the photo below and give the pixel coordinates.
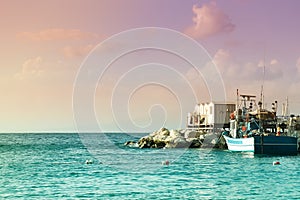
(210, 116)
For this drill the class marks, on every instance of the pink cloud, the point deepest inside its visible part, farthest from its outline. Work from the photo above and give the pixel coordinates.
(209, 20)
(57, 34)
(72, 51)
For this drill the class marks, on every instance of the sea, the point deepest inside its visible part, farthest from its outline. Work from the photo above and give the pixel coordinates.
(99, 166)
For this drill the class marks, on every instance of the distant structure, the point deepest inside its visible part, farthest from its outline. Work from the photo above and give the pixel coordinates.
(210, 116)
(285, 108)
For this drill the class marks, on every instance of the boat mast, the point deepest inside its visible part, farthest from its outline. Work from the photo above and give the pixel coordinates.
(287, 107)
(236, 114)
(263, 81)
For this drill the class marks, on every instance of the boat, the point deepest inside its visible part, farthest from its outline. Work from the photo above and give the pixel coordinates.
(240, 144)
(255, 129)
(260, 144)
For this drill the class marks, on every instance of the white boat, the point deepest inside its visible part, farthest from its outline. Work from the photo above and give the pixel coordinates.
(240, 144)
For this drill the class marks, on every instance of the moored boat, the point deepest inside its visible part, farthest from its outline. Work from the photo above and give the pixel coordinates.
(240, 144)
(276, 145)
(254, 129)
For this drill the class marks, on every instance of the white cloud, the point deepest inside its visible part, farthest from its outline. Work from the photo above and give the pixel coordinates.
(222, 58)
(272, 69)
(236, 72)
(275, 69)
(39, 68)
(261, 63)
(227, 64)
(274, 62)
(209, 20)
(31, 67)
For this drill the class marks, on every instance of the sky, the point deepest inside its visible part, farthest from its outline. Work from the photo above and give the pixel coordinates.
(48, 46)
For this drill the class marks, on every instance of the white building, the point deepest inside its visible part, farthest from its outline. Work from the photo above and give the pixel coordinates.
(210, 115)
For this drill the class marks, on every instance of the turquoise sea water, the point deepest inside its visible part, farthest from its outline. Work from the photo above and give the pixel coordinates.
(52, 166)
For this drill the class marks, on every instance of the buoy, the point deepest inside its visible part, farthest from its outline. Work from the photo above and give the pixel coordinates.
(89, 162)
(165, 162)
(276, 163)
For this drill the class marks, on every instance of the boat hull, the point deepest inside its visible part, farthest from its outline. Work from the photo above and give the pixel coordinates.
(278, 145)
(271, 145)
(240, 144)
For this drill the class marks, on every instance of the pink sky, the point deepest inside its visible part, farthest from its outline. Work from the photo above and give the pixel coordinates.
(43, 44)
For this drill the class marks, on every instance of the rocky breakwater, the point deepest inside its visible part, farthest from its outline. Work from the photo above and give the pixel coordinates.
(165, 138)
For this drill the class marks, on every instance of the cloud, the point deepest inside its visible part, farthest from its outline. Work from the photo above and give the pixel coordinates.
(232, 68)
(274, 62)
(226, 63)
(222, 57)
(57, 34)
(272, 69)
(39, 68)
(73, 52)
(247, 75)
(31, 67)
(209, 20)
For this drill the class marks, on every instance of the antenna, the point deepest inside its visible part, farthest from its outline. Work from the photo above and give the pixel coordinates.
(283, 110)
(263, 81)
(287, 106)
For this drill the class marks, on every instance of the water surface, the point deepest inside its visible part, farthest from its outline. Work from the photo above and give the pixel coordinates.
(52, 166)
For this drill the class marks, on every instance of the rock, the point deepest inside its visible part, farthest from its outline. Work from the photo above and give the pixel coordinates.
(201, 137)
(160, 137)
(210, 140)
(145, 142)
(175, 140)
(130, 144)
(192, 134)
(159, 144)
(222, 143)
(163, 138)
(181, 143)
(174, 134)
(194, 142)
(165, 132)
